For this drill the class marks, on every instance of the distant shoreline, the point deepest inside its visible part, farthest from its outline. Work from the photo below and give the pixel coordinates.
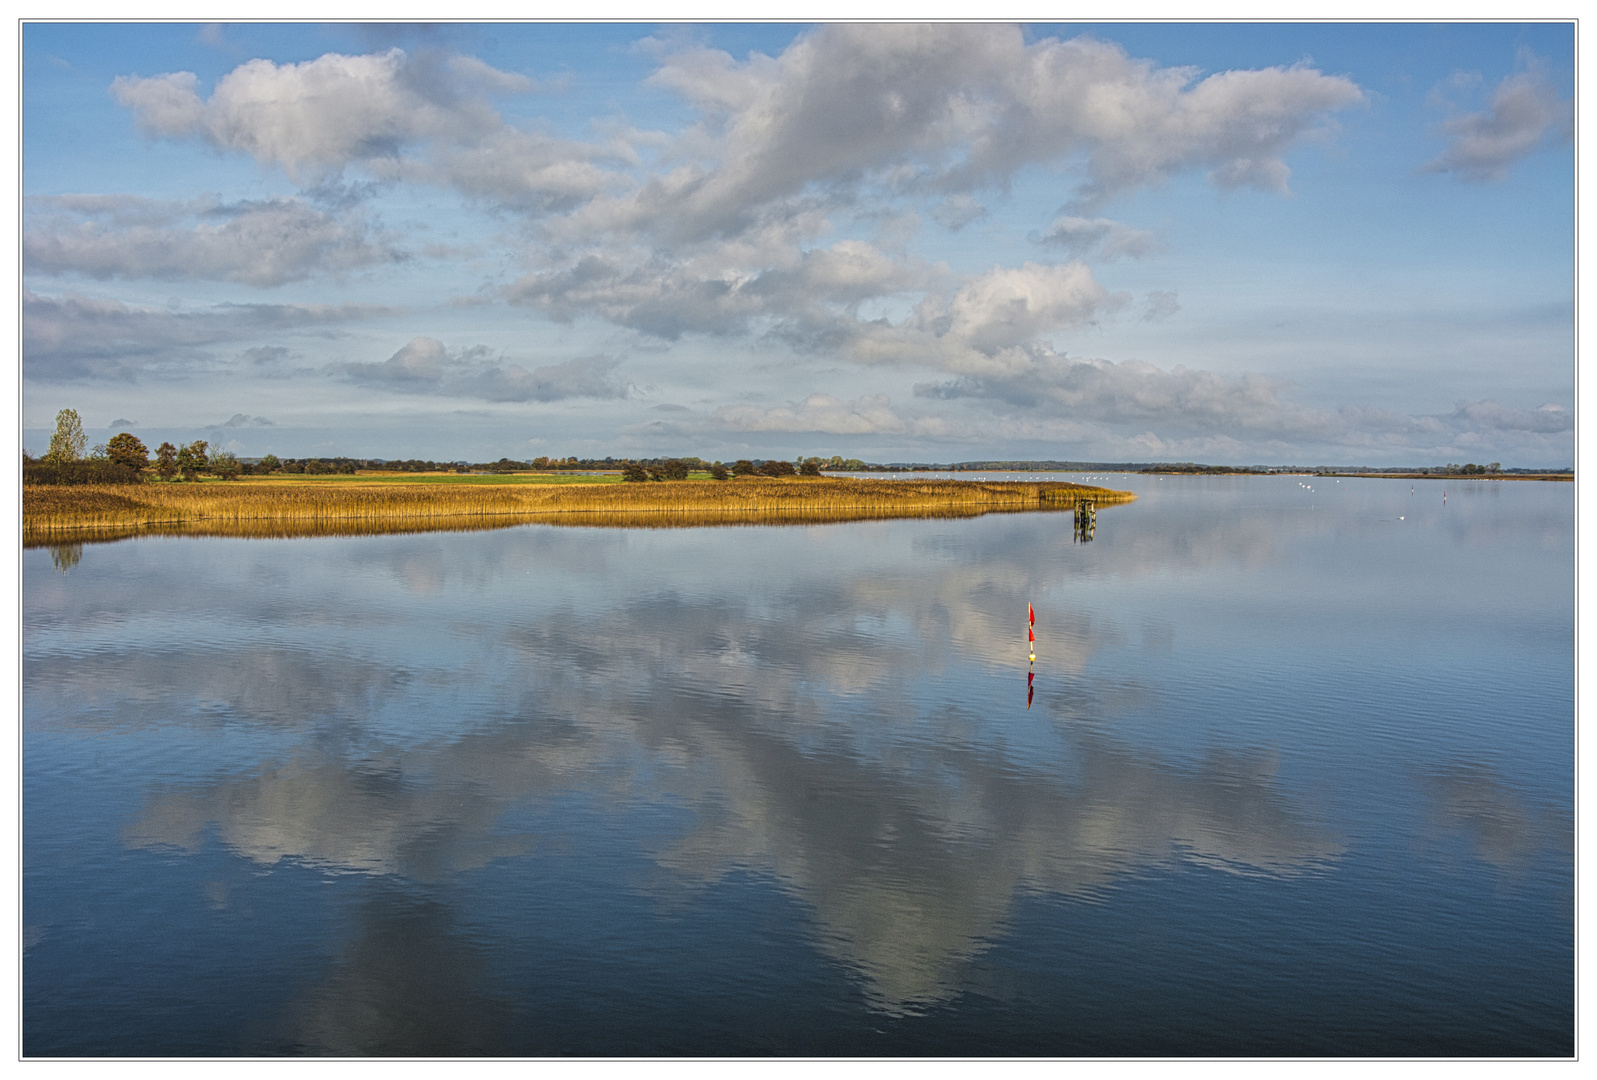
(261, 506)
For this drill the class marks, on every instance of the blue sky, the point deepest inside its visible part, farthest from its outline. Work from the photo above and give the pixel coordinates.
(1232, 243)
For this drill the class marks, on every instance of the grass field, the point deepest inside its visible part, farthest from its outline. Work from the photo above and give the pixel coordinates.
(324, 505)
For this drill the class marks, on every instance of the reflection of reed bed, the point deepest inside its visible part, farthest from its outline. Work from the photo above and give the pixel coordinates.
(255, 528)
(56, 510)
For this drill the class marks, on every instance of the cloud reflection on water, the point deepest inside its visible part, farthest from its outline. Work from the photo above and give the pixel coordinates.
(787, 720)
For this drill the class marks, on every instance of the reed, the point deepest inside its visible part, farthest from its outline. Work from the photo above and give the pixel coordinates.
(57, 511)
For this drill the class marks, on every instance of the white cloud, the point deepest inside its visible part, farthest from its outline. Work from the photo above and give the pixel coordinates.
(957, 107)
(312, 119)
(312, 116)
(1010, 306)
(263, 243)
(1525, 115)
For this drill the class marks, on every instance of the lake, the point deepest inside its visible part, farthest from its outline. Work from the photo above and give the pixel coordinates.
(1296, 778)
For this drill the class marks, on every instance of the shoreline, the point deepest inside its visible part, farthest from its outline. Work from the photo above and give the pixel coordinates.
(322, 505)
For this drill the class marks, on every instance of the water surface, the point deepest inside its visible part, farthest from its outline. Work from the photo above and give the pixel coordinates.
(1297, 778)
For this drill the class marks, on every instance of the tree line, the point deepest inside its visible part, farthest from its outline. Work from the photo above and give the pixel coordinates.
(125, 459)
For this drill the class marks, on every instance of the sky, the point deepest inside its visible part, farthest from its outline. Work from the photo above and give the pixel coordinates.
(1345, 243)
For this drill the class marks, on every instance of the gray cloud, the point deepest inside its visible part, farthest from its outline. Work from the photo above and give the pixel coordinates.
(240, 420)
(75, 336)
(1489, 416)
(957, 211)
(1082, 237)
(1161, 305)
(264, 243)
(1133, 392)
(1137, 410)
(722, 288)
(1525, 115)
(424, 366)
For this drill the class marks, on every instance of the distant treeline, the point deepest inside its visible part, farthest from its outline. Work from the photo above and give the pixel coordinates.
(124, 459)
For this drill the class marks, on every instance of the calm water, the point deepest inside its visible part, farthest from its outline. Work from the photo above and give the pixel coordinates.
(1297, 779)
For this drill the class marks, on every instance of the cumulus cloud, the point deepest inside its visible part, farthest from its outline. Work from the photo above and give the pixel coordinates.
(1525, 115)
(1009, 306)
(725, 230)
(420, 360)
(75, 336)
(264, 243)
(726, 241)
(312, 119)
(956, 107)
(425, 366)
(316, 115)
(1081, 237)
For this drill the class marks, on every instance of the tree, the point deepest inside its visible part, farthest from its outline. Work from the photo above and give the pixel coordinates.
(191, 459)
(670, 470)
(68, 441)
(269, 463)
(633, 473)
(744, 467)
(166, 460)
(776, 468)
(811, 467)
(718, 472)
(126, 449)
(223, 464)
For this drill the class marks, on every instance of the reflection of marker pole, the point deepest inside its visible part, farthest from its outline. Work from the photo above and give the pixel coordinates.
(1031, 652)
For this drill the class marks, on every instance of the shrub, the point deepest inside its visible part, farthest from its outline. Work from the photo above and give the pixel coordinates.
(744, 467)
(718, 472)
(79, 472)
(633, 473)
(775, 469)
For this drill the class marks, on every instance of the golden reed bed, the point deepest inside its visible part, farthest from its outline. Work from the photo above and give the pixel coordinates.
(323, 507)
